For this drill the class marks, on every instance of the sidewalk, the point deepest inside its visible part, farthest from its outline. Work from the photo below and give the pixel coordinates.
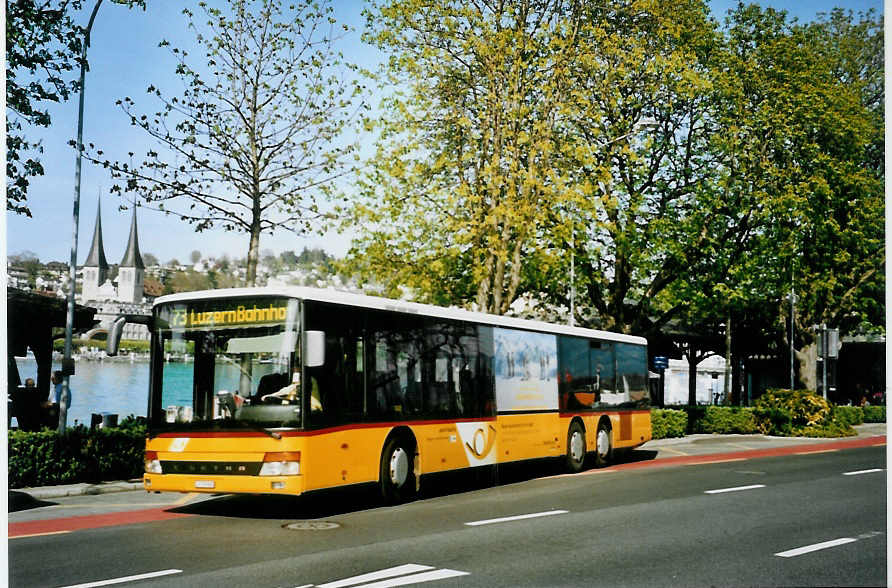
(691, 445)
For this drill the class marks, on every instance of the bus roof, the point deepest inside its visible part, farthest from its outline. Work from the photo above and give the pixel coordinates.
(377, 303)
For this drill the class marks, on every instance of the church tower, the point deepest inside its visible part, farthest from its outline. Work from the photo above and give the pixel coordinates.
(95, 268)
(131, 272)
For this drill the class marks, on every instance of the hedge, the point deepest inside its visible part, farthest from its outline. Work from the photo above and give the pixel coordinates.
(666, 423)
(46, 458)
(725, 420)
(125, 346)
(874, 414)
(804, 415)
(849, 415)
(801, 413)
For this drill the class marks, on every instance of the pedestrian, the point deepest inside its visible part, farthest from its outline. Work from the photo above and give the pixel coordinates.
(56, 390)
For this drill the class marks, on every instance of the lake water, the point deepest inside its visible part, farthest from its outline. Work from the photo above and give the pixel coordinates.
(122, 387)
(117, 387)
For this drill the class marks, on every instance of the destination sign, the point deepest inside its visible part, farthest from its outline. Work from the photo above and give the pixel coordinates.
(224, 314)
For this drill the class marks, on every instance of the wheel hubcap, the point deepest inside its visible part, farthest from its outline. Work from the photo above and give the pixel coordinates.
(603, 442)
(577, 446)
(399, 467)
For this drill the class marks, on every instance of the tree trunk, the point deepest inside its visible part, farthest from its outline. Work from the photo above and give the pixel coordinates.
(807, 360)
(253, 257)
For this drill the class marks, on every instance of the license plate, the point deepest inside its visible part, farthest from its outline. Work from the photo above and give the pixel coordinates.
(204, 484)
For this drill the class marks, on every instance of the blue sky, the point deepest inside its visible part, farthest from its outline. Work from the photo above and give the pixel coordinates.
(124, 60)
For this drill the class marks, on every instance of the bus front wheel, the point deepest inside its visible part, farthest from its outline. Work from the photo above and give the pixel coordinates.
(575, 447)
(397, 479)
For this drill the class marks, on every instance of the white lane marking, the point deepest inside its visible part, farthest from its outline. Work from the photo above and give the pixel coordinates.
(735, 489)
(815, 547)
(517, 518)
(696, 463)
(417, 578)
(859, 472)
(41, 534)
(126, 579)
(379, 575)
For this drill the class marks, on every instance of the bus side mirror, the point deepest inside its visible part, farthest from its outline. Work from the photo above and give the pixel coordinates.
(314, 348)
(117, 329)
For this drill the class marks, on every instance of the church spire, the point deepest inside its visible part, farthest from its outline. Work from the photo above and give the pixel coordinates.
(96, 256)
(132, 258)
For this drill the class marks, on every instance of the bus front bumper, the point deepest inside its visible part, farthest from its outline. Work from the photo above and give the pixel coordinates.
(219, 484)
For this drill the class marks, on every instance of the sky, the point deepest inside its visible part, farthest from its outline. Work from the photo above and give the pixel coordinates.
(124, 59)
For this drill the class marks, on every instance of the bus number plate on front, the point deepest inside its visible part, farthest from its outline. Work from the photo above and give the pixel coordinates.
(207, 484)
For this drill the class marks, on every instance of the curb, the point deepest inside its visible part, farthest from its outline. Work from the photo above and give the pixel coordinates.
(82, 489)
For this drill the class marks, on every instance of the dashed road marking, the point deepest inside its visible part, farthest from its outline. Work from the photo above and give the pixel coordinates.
(126, 579)
(517, 518)
(735, 489)
(815, 547)
(716, 461)
(860, 472)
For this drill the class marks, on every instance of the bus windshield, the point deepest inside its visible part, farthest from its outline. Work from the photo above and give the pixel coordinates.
(226, 363)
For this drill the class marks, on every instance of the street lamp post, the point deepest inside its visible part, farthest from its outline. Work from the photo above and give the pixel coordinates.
(67, 364)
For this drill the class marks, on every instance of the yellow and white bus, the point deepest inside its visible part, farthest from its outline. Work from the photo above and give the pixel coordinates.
(289, 390)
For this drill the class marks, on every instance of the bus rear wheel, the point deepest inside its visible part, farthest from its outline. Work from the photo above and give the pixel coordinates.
(603, 446)
(397, 476)
(575, 447)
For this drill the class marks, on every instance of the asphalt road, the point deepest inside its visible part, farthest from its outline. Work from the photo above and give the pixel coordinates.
(810, 519)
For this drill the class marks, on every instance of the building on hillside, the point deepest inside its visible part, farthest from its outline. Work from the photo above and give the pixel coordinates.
(123, 294)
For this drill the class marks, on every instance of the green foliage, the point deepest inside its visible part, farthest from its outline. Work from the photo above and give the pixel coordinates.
(800, 413)
(126, 345)
(43, 44)
(848, 415)
(874, 414)
(668, 423)
(79, 455)
(510, 148)
(726, 420)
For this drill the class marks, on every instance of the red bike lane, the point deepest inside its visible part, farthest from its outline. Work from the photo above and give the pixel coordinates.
(69, 524)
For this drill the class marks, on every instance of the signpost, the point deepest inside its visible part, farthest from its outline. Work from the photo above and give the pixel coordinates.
(660, 364)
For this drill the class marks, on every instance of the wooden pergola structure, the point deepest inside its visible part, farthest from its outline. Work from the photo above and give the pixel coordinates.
(31, 320)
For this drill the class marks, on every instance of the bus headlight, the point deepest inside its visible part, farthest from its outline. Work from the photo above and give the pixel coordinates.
(153, 464)
(284, 463)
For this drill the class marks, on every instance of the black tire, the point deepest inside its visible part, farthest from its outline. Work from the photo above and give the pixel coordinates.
(575, 458)
(603, 445)
(397, 472)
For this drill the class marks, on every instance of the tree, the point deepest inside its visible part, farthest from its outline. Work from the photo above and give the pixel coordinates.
(516, 140)
(801, 110)
(195, 256)
(251, 145)
(640, 214)
(150, 259)
(43, 44)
